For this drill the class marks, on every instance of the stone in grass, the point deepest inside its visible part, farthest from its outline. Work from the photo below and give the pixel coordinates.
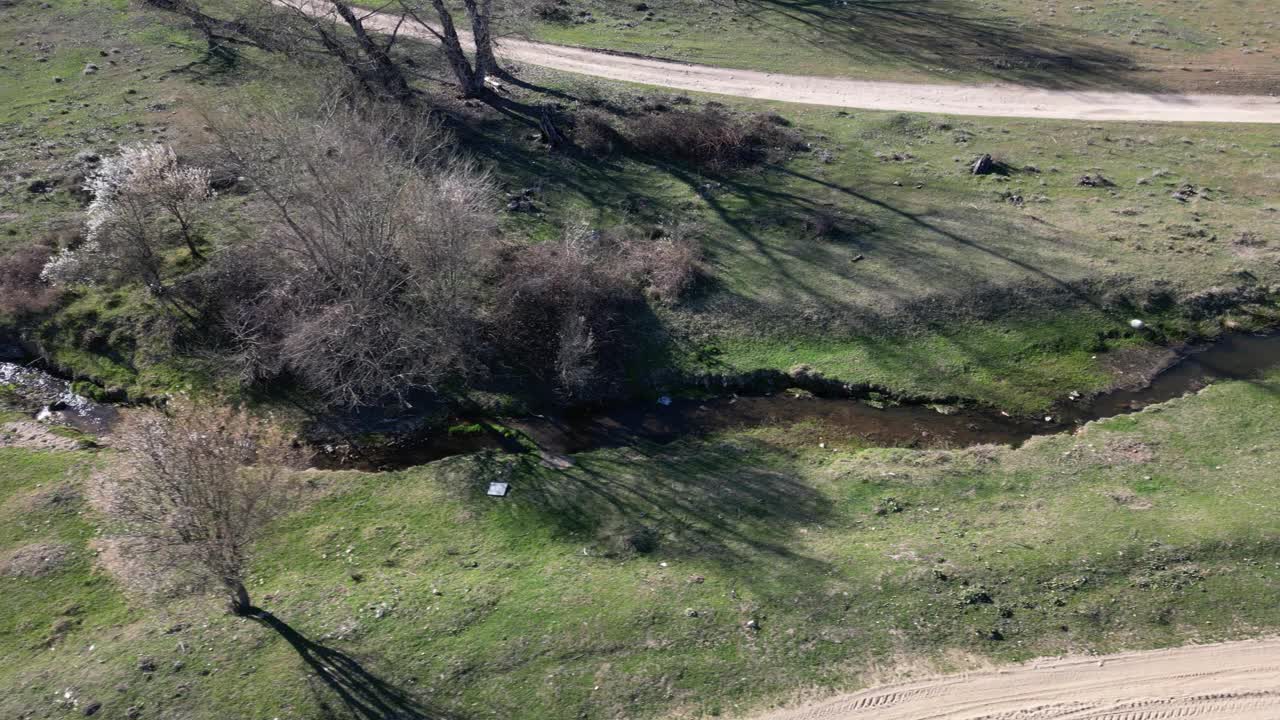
(90, 69)
(984, 165)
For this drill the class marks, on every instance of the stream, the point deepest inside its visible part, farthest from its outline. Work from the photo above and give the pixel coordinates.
(1233, 357)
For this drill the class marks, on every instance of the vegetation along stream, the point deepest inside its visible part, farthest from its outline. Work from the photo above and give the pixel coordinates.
(874, 423)
(1234, 357)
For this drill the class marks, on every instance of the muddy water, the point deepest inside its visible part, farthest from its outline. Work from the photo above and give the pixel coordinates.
(1238, 357)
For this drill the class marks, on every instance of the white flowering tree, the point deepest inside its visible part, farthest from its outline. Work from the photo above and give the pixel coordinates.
(142, 199)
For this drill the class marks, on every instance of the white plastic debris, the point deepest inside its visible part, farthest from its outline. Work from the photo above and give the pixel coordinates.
(1137, 324)
(499, 489)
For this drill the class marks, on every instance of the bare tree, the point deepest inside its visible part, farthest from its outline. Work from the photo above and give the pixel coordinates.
(303, 29)
(193, 490)
(376, 243)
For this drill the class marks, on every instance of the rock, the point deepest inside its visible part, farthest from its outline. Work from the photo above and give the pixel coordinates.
(690, 612)
(697, 579)
(133, 712)
(995, 635)
(40, 187)
(57, 79)
(641, 7)
(1137, 324)
(752, 625)
(146, 665)
(92, 708)
(1095, 181)
(90, 69)
(978, 597)
(1186, 193)
(984, 165)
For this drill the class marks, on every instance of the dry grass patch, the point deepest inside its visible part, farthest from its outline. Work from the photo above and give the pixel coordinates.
(35, 560)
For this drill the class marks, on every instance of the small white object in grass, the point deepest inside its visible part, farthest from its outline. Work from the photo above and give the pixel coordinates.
(498, 489)
(664, 400)
(1137, 324)
(822, 445)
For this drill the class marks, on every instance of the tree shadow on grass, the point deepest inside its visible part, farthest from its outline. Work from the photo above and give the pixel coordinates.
(364, 696)
(723, 503)
(934, 34)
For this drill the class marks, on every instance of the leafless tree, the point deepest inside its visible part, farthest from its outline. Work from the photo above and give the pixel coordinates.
(194, 488)
(360, 40)
(375, 246)
(304, 29)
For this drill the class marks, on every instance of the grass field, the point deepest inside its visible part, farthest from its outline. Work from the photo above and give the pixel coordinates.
(712, 577)
(1217, 46)
(701, 578)
(923, 279)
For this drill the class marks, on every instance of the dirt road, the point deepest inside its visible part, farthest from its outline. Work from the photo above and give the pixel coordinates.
(1230, 681)
(995, 100)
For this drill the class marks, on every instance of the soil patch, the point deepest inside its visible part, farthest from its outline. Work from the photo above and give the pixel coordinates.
(35, 560)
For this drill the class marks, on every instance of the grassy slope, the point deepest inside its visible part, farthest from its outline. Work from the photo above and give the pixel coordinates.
(934, 240)
(1216, 46)
(777, 296)
(1147, 530)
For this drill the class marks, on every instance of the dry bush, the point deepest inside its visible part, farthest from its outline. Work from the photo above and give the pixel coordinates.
(594, 132)
(193, 489)
(565, 308)
(712, 138)
(22, 291)
(368, 277)
(664, 262)
(560, 309)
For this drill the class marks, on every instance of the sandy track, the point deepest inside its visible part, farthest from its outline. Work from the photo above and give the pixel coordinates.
(1229, 681)
(994, 100)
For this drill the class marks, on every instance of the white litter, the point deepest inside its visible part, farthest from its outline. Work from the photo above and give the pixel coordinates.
(498, 489)
(1137, 324)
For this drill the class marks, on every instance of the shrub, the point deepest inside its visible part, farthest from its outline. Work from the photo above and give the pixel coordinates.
(561, 307)
(373, 251)
(22, 291)
(664, 262)
(712, 138)
(594, 133)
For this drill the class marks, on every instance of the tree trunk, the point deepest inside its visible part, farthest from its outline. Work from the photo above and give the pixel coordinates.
(469, 80)
(385, 71)
(238, 600)
(186, 237)
(481, 14)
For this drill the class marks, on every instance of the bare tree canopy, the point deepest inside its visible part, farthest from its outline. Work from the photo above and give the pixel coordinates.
(194, 488)
(337, 30)
(367, 278)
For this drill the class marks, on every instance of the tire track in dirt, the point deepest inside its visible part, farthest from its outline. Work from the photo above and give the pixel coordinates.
(990, 100)
(1228, 681)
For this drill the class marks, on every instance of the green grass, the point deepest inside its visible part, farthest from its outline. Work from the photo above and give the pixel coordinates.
(959, 291)
(1149, 530)
(1139, 44)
